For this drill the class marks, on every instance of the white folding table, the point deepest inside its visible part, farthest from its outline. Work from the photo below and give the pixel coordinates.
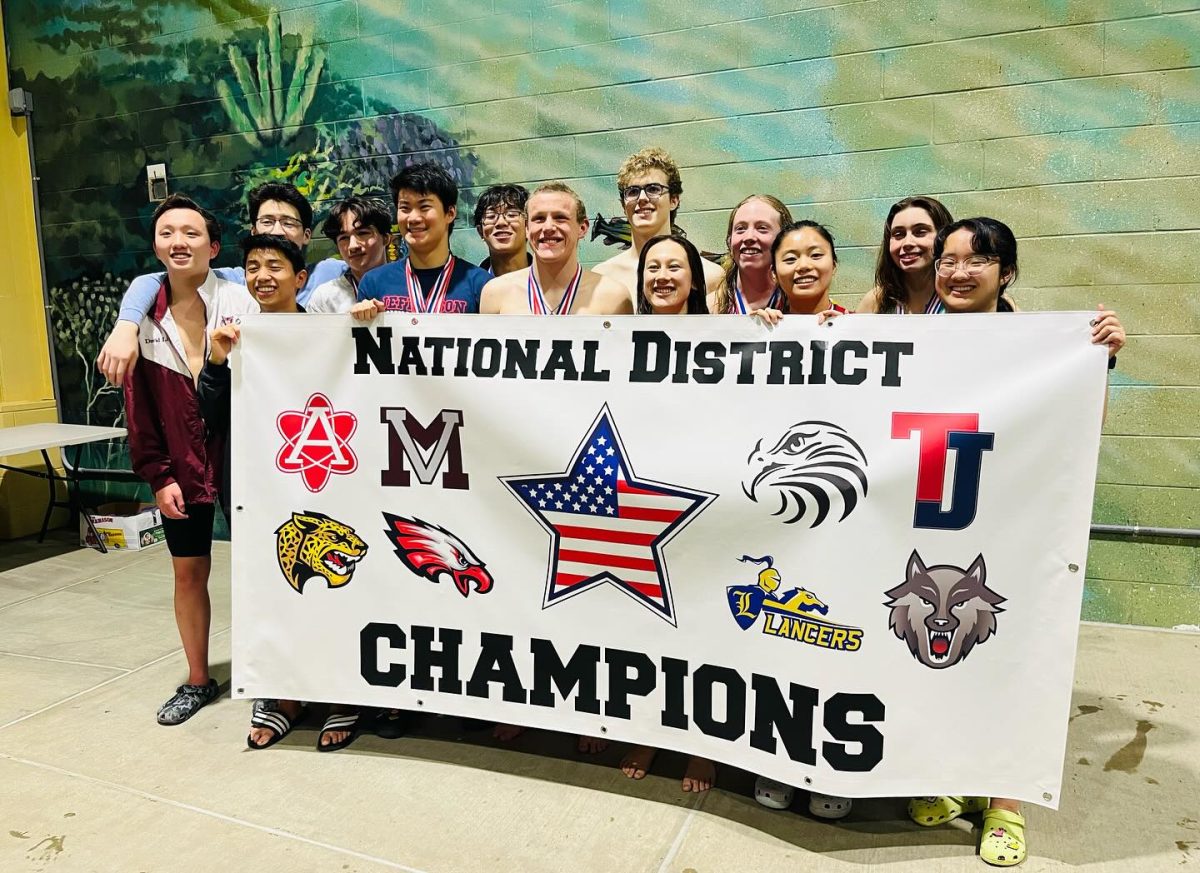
(42, 437)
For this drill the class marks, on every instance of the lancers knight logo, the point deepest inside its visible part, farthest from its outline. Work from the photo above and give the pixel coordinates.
(942, 612)
(312, 545)
(803, 472)
(797, 614)
(433, 552)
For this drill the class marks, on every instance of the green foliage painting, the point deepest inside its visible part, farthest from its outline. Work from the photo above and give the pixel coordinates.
(227, 107)
(273, 108)
(1075, 121)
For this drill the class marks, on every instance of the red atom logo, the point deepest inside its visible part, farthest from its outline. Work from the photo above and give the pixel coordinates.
(316, 442)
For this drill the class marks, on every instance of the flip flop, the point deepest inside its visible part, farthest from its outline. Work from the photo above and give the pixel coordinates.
(338, 722)
(391, 724)
(1003, 843)
(932, 811)
(272, 720)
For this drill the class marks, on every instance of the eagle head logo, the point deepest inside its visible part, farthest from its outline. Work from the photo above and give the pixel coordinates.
(812, 468)
(433, 552)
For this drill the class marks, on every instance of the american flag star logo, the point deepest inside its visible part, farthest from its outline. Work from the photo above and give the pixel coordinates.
(605, 523)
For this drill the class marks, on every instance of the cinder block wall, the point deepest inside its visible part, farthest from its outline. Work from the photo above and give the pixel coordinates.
(1075, 121)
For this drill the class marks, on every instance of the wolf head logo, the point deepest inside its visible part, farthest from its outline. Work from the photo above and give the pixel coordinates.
(942, 612)
(814, 468)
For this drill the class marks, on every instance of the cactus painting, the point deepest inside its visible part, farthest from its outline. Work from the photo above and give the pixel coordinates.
(273, 109)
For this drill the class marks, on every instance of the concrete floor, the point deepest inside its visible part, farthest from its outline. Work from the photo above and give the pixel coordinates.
(89, 782)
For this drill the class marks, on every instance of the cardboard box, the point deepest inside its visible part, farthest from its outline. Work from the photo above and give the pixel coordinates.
(124, 526)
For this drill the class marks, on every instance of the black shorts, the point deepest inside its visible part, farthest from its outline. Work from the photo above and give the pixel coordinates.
(191, 537)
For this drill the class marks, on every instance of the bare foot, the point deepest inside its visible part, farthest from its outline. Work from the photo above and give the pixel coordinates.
(592, 745)
(700, 775)
(333, 737)
(637, 761)
(260, 736)
(507, 732)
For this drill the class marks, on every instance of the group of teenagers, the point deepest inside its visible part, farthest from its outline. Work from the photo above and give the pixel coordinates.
(185, 322)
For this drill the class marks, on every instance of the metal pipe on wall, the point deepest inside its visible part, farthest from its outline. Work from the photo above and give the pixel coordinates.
(1134, 531)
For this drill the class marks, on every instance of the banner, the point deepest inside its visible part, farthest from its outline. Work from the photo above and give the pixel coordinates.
(848, 556)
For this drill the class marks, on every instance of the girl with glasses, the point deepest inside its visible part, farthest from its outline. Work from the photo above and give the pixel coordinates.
(975, 262)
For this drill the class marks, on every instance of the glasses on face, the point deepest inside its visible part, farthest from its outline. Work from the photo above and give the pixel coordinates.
(972, 266)
(653, 192)
(266, 222)
(512, 216)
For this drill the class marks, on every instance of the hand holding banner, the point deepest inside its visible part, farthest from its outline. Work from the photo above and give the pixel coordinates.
(816, 553)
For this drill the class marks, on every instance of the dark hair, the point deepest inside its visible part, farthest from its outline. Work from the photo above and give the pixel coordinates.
(500, 197)
(180, 201)
(724, 302)
(889, 278)
(284, 192)
(367, 212)
(426, 178)
(792, 228)
(800, 225)
(271, 242)
(697, 302)
(988, 237)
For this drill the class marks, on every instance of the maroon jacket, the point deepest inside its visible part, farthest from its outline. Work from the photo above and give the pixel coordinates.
(168, 441)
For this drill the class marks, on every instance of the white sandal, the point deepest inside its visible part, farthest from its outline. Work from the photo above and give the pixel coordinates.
(772, 794)
(829, 806)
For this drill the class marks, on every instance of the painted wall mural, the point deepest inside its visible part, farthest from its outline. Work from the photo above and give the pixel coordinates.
(1076, 121)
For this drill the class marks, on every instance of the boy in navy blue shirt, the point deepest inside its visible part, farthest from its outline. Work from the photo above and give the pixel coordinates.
(430, 279)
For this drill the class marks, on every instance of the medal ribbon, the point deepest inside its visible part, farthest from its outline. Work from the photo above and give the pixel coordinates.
(537, 300)
(739, 302)
(416, 297)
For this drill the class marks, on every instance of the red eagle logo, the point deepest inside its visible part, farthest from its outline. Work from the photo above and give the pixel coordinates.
(433, 552)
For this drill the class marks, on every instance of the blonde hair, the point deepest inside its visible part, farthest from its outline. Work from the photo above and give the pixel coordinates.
(653, 158)
(641, 162)
(559, 188)
(724, 297)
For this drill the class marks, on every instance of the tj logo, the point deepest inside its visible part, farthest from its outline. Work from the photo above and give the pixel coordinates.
(940, 432)
(425, 447)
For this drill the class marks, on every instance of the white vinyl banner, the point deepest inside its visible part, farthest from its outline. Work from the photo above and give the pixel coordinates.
(849, 557)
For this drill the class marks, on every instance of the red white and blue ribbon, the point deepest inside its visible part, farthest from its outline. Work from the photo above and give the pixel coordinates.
(739, 302)
(416, 296)
(537, 300)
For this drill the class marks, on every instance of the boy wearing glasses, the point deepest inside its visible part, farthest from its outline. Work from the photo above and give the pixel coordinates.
(500, 223)
(649, 186)
(275, 208)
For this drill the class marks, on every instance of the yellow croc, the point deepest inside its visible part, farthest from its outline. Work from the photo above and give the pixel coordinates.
(931, 811)
(1003, 843)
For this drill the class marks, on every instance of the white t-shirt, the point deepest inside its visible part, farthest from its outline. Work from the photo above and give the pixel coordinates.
(336, 295)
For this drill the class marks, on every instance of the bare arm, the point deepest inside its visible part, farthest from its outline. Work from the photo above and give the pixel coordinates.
(869, 302)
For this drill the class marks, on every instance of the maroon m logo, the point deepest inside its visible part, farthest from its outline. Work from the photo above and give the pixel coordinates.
(426, 448)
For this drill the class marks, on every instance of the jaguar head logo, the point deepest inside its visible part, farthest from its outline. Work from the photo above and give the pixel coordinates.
(311, 545)
(814, 468)
(942, 612)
